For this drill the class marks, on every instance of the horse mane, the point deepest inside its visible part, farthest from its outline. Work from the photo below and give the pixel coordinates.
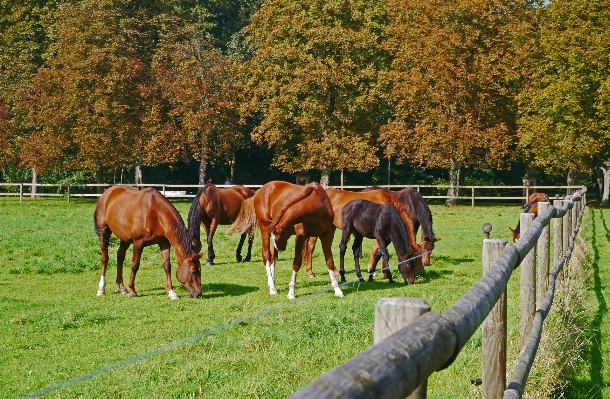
(424, 215)
(401, 228)
(276, 220)
(194, 217)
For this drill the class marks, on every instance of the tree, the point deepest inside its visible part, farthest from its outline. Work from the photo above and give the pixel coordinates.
(452, 78)
(202, 93)
(86, 105)
(564, 122)
(313, 81)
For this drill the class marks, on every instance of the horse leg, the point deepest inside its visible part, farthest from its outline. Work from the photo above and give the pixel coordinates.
(242, 238)
(135, 265)
(120, 259)
(372, 269)
(165, 247)
(357, 249)
(327, 244)
(383, 248)
(268, 261)
(373, 260)
(250, 241)
(104, 242)
(345, 233)
(210, 236)
(296, 264)
(308, 255)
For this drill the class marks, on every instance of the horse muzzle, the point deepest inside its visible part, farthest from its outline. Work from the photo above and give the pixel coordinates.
(195, 294)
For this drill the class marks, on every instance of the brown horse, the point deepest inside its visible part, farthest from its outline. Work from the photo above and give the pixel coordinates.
(530, 207)
(144, 218)
(281, 210)
(213, 206)
(418, 209)
(340, 198)
(382, 222)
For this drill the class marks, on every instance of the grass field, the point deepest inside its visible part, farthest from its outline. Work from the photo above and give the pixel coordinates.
(59, 338)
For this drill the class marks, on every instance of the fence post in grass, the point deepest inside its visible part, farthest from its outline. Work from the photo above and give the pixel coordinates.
(574, 215)
(20, 192)
(544, 251)
(558, 240)
(393, 314)
(68, 193)
(494, 331)
(567, 222)
(472, 196)
(528, 285)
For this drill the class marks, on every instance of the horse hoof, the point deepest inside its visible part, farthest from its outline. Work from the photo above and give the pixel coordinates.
(272, 291)
(339, 294)
(361, 279)
(370, 279)
(291, 296)
(100, 292)
(124, 292)
(391, 282)
(245, 260)
(133, 295)
(238, 259)
(312, 276)
(208, 263)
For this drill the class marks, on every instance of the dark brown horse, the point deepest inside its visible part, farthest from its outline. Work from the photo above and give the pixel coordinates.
(142, 218)
(340, 198)
(530, 207)
(382, 222)
(418, 209)
(213, 206)
(281, 210)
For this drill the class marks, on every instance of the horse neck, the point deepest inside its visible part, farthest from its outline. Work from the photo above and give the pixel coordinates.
(425, 221)
(400, 237)
(178, 237)
(406, 219)
(194, 218)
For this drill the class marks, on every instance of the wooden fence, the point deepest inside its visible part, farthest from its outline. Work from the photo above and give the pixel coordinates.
(399, 365)
(429, 191)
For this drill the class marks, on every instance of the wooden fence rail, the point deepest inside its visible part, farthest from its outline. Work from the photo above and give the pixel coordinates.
(182, 190)
(396, 366)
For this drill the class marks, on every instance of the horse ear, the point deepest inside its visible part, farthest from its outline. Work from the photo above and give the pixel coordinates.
(196, 256)
(511, 230)
(436, 239)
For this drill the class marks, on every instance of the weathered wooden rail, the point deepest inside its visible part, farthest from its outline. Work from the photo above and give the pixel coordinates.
(397, 365)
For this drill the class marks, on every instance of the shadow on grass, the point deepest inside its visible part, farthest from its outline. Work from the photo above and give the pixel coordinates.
(452, 261)
(592, 387)
(209, 291)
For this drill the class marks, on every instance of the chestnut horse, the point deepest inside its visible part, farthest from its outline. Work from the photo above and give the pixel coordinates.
(530, 207)
(281, 210)
(142, 218)
(382, 222)
(416, 206)
(340, 198)
(213, 206)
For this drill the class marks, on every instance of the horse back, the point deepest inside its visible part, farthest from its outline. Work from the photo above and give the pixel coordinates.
(134, 215)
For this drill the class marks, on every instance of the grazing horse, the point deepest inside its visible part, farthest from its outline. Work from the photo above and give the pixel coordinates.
(340, 198)
(416, 206)
(142, 218)
(213, 206)
(383, 223)
(530, 207)
(281, 210)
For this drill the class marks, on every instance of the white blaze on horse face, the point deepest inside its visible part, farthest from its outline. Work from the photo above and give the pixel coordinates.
(101, 290)
(270, 267)
(334, 283)
(172, 294)
(291, 285)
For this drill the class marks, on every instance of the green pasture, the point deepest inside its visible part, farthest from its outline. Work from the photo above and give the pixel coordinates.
(236, 342)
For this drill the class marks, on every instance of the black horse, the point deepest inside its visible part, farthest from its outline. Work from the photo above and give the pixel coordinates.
(382, 222)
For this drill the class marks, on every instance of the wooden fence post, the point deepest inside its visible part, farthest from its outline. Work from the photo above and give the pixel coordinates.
(543, 251)
(558, 241)
(527, 285)
(494, 331)
(21, 192)
(574, 216)
(565, 235)
(391, 315)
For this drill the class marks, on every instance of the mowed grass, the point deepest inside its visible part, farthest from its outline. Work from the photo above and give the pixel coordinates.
(236, 342)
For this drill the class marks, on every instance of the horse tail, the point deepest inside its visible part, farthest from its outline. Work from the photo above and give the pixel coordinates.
(322, 193)
(246, 220)
(308, 189)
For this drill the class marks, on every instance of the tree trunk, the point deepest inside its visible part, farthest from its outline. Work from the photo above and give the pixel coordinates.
(34, 182)
(572, 179)
(232, 173)
(203, 166)
(325, 178)
(454, 185)
(604, 187)
(99, 179)
(138, 171)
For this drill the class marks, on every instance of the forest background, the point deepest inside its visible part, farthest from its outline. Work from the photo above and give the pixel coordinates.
(392, 91)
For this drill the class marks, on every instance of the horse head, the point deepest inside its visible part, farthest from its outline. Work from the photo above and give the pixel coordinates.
(427, 246)
(407, 270)
(189, 274)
